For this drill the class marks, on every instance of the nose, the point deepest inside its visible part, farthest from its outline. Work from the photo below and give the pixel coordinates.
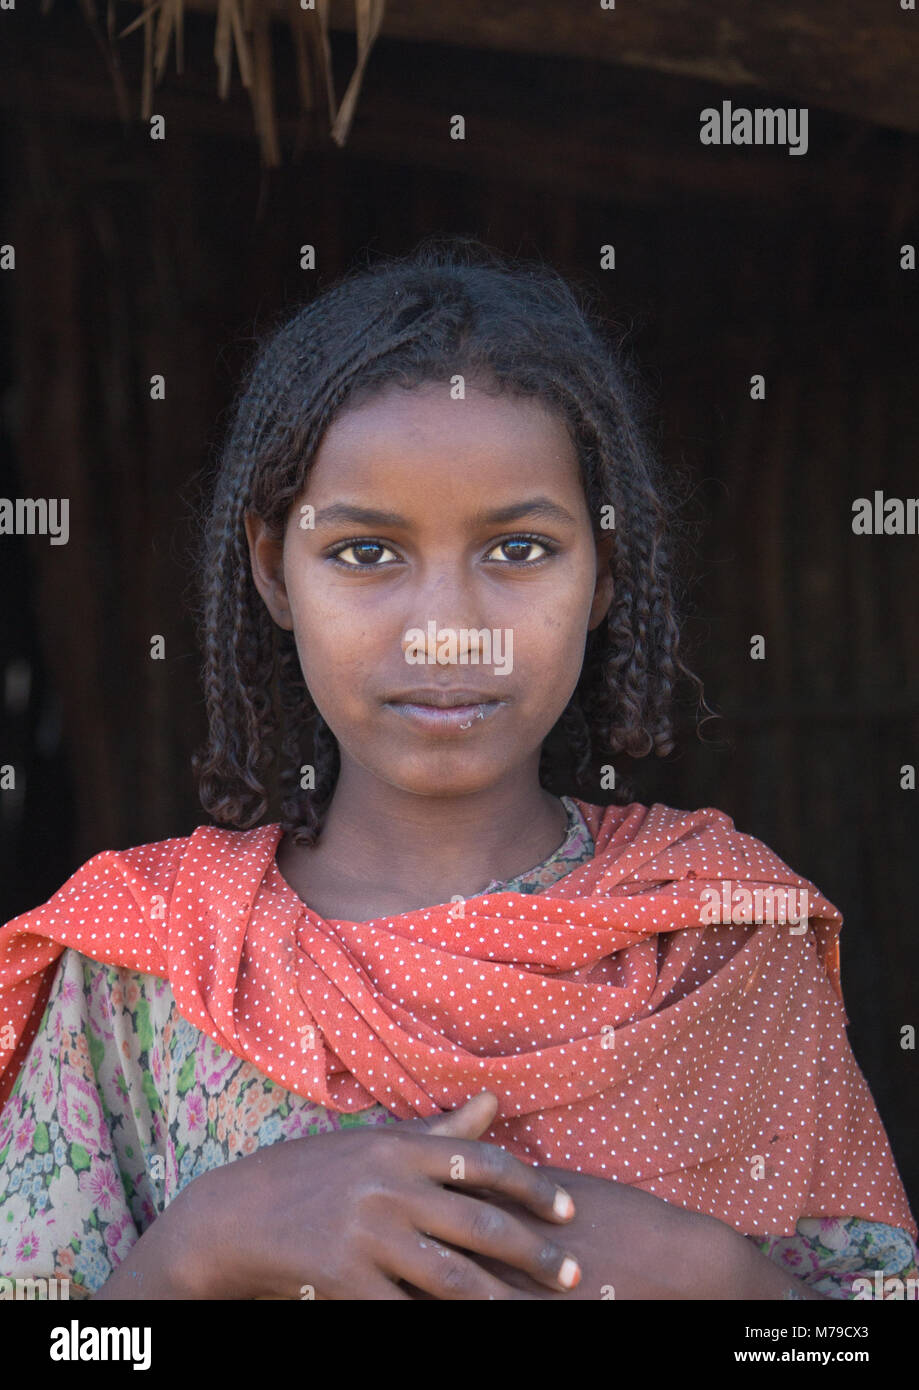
(445, 620)
(444, 644)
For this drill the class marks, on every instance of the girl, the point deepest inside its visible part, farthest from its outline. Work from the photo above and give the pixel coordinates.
(438, 1032)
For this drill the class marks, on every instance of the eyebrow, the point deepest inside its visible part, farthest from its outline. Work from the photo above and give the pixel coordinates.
(369, 516)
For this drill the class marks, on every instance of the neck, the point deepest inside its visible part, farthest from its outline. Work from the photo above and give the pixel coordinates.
(429, 847)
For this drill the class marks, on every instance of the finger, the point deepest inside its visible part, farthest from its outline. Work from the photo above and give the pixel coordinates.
(386, 1291)
(435, 1269)
(467, 1121)
(373, 1289)
(488, 1230)
(467, 1164)
(485, 1196)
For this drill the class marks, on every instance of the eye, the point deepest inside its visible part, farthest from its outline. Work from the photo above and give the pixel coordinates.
(366, 551)
(526, 543)
(360, 548)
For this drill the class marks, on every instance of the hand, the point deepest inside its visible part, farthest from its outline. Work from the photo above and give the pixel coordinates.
(630, 1244)
(355, 1213)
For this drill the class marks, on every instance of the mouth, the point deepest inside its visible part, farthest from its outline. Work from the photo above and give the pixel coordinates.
(446, 717)
(439, 697)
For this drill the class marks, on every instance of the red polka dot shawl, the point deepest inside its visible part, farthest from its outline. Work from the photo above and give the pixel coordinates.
(667, 1015)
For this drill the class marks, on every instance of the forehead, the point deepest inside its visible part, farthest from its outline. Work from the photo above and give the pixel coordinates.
(483, 436)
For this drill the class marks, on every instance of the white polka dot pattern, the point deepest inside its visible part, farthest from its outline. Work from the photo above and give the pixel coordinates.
(624, 1037)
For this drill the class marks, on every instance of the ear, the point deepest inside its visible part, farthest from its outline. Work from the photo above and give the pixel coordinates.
(266, 556)
(604, 590)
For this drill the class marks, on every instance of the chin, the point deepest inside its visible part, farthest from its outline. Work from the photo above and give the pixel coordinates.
(445, 777)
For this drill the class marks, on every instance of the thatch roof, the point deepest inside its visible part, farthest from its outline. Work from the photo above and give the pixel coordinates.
(242, 37)
(797, 48)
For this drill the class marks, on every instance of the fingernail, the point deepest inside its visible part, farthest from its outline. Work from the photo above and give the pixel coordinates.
(569, 1275)
(563, 1205)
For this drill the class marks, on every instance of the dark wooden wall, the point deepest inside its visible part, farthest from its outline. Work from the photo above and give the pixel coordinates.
(133, 260)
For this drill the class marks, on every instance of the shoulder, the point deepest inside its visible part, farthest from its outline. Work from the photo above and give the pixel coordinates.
(657, 825)
(144, 877)
(156, 862)
(208, 847)
(644, 843)
(707, 834)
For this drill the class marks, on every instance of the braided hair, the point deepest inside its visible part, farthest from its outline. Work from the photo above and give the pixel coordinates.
(451, 306)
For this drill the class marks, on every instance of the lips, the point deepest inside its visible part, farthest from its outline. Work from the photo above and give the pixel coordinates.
(444, 699)
(443, 718)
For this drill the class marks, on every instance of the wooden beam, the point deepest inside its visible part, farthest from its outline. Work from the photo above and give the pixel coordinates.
(860, 59)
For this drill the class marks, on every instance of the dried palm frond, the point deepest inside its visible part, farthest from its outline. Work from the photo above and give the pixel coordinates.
(243, 28)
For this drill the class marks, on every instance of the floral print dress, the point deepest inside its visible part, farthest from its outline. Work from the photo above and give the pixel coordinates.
(121, 1102)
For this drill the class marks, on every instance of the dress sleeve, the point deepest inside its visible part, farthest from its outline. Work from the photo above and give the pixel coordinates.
(830, 1253)
(79, 1148)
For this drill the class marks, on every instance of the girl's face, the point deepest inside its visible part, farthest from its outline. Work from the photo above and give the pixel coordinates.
(441, 530)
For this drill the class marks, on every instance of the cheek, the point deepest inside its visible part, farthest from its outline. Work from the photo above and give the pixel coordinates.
(335, 646)
(560, 625)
